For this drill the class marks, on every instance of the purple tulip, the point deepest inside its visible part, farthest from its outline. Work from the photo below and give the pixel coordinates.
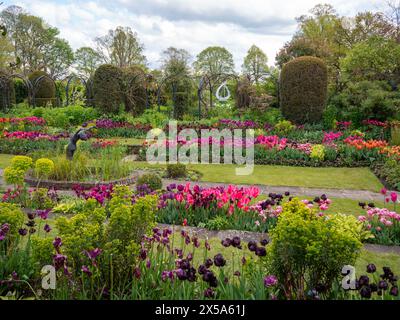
(270, 281)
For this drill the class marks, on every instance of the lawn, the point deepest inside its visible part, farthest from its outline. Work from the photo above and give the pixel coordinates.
(339, 178)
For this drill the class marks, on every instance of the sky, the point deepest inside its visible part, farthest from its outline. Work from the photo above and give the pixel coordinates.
(189, 24)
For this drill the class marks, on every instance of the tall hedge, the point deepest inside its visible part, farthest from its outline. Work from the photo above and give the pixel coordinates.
(21, 91)
(7, 92)
(108, 88)
(134, 86)
(303, 89)
(44, 89)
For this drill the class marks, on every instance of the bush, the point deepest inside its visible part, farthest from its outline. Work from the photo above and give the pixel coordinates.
(152, 180)
(45, 90)
(7, 92)
(66, 117)
(367, 100)
(177, 170)
(107, 88)
(308, 251)
(11, 214)
(134, 82)
(303, 89)
(283, 127)
(21, 91)
(43, 167)
(21, 162)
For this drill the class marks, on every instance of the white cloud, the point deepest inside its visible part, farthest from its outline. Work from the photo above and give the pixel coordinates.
(192, 25)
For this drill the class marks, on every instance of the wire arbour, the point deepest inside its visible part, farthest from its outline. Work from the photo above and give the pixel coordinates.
(74, 86)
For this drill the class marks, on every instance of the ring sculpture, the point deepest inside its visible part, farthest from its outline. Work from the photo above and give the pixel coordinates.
(81, 134)
(225, 89)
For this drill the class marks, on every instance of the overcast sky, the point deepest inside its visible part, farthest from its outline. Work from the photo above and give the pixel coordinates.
(189, 24)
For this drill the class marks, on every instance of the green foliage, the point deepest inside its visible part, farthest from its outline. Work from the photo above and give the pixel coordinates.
(217, 223)
(45, 90)
(14, 176)
(377, 58)
(66, 117)
(129, 222)
(13, 215)
(7, 92)
(390, 172)
(317, 152)
(307, 250)
(284, 127)
(153, 117)
(303, 89)
(42, 251)
(43, 167)
(21, 91)
(152, 180)
(83, 231)
(41, 200)
(367, 100)
(107, 88)
(21, 162)
(177, 170)
(134, 86)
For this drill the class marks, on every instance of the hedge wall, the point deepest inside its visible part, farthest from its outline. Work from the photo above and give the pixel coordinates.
(303, 89)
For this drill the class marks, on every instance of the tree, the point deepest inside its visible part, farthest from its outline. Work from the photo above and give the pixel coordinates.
(255, 64)
(175, 61)
(120, 47)
(6, 52)
(58, 58)
(215, 63)
(393, 16)
(375, 59)
(87, 60)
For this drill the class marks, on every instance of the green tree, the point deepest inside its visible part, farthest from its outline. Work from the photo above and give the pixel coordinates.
(214, 62)
(120, 47)
(32, 39)
(87, 60)
(375, 59)
(59, 58)
(175, 61)
(255, 64)
(6, 52)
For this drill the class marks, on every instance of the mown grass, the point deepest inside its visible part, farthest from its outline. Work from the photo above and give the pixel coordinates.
(338, 178)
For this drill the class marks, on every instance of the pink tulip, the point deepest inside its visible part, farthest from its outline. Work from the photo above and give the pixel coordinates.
(393, 197)
(384, 191)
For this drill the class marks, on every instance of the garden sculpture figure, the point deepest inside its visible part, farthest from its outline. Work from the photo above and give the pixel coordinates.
(79, 135)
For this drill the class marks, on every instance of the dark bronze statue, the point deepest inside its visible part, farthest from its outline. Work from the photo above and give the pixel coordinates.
(81, 134)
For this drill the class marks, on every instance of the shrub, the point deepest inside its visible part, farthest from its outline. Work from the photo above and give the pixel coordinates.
(45, 90)
(182, 98)
(318, 152)
(43, 167)
(366, 100)
(13, 215)
(177, 170)
(7, 92)
(21, 162)
(283, 127)
(152, 180)
(14, 176)
(303, 89)
(21, 91)
(308, 251)
(107, 88)
(134, 85)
